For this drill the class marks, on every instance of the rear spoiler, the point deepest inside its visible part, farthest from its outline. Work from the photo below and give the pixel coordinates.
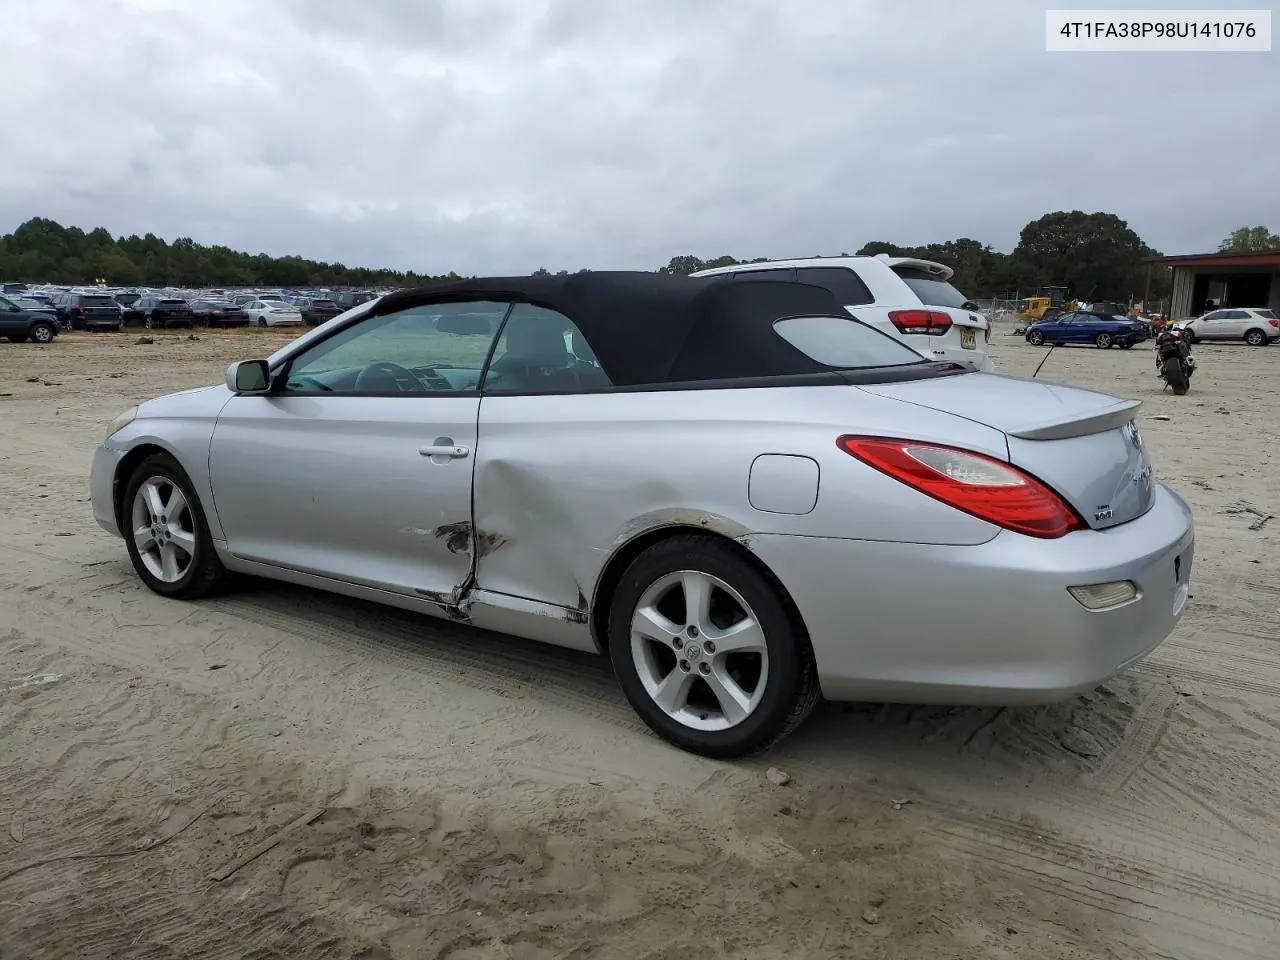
(1109, 418)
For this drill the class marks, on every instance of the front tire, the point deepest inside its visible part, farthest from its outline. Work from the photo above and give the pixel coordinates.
(166, 532)
(1256, 338)
(42, 332)
(262, 322)
(1035, 338)
(1189, 335)
(1103, 341)
(709, 650)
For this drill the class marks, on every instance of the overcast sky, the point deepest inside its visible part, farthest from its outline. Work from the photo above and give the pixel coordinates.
(493, 136)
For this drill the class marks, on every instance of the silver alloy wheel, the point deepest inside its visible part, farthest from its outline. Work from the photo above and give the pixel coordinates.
(1255, 338)
(1104, 341)
(42, 333)
(699, 650)
(163, 529)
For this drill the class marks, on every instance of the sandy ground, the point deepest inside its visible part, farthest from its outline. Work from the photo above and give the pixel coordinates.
(280, 773)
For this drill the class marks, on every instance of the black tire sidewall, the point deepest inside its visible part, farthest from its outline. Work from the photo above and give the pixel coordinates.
(790, 657)
(1177, 381)
(200, 572)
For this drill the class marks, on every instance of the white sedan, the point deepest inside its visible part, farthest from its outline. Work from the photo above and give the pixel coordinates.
(272, 313)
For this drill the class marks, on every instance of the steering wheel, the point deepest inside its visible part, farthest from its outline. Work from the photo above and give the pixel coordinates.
(374, 375)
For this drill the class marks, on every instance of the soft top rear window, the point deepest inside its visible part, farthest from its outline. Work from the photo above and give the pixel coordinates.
(845, 343)
(932, 291)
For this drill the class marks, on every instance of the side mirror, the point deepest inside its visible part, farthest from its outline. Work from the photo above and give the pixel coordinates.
(249, 376)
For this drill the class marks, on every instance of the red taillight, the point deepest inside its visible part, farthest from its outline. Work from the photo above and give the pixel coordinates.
(77, 309)
(1274, 322)
(972, 482)
(929, 322)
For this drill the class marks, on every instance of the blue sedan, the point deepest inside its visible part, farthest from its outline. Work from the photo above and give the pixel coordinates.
(1101, 330)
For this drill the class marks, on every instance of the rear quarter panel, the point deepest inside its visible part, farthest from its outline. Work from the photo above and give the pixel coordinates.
(562, 482)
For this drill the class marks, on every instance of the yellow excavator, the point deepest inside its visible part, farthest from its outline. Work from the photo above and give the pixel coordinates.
(1047, 304)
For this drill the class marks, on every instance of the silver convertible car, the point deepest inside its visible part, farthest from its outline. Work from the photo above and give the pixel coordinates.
(736, 491)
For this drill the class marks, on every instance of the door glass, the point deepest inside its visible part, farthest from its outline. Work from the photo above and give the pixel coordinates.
(542, 351)
(433, 348)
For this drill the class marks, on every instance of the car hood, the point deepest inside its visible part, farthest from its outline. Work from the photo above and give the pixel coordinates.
(197, 402)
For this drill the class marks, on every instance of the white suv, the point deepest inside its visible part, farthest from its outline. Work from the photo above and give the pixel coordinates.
(1253, 325)
(912, 300)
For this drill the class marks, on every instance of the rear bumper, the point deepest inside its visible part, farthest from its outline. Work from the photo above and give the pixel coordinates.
(991, 623)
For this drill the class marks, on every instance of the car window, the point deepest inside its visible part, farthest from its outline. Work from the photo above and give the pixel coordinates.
(1237, 315)
(783, 273)
(434, 348)
(1267, 314)
(542, 351)
(1215, 315)
(845, 285)
(933, 291)
(844, 343)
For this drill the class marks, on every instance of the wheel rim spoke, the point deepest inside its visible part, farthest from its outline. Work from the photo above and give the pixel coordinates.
(648, 622)
(169, 562)
(735, 703)
(177, 503)
(143, 539)
(745, 636)
(155, 503)
(672, 694)
(184, 540)
(697, 599)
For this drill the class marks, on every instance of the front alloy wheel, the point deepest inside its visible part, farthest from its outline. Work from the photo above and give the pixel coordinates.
(1103, 341)
(708, 650)
(166, 533)
(1035, 338)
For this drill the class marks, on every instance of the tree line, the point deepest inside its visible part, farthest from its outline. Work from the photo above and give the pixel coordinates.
(1097, 255)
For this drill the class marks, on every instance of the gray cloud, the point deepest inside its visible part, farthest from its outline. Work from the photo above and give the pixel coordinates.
(502, 135)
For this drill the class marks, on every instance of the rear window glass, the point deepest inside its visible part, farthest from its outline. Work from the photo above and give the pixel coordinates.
(845, 285)
(1268, 314)
(845, 343)
(96, 301)
(932, 291)
(323, 303)
(174, 300)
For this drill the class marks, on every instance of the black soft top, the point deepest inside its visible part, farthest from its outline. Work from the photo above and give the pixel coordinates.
(653, 328)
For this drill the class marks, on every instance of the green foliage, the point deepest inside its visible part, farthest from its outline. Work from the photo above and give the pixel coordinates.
(1250, 240)
(43, 251)
(1096, 255)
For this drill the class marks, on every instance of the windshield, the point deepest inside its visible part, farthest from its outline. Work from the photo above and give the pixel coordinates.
(932, 291)
(845, 343)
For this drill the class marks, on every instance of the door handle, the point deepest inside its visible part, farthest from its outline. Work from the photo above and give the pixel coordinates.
(451, 450)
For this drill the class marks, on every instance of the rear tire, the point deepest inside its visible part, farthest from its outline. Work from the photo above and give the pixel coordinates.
(718, 703)
(262, 322)
(1174, 376)
(203, 572)
(1256, 338)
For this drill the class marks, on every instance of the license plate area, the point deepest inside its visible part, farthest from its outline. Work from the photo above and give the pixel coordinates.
(968, 338)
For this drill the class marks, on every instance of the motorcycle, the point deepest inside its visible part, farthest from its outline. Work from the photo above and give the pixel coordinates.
(1174, 361)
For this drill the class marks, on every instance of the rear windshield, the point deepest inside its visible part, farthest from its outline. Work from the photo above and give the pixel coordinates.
(932, 291)
(1267, 314)
(96, 301)
(323, 303)
(174, 300)
(845, 343)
